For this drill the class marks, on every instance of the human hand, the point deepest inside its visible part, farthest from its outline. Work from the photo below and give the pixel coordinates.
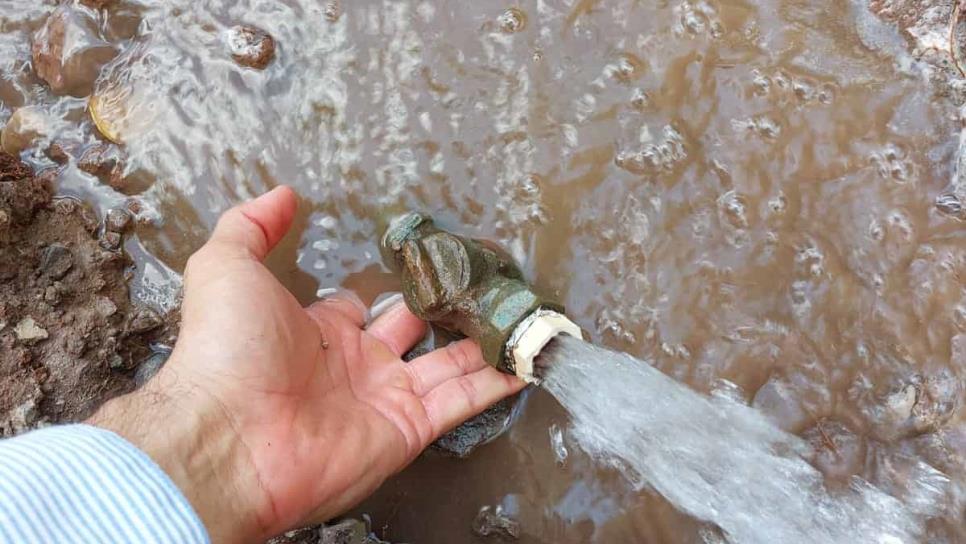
(269, 415)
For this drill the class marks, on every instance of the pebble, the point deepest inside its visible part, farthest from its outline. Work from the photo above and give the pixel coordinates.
(250, 46)
(144, 319)
(104, 306)
(27, 125)
(493, 522)
(951, 205)
(333, 10)
(117, 220)
(350, 531)
(56, 260)
(110, 240)
(836, 451)
(68, 52)
(28, 331)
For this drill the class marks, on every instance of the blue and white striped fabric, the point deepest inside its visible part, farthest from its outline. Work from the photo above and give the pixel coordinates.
(78, 483)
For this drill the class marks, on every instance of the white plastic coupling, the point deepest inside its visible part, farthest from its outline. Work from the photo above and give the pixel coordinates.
(532, 335)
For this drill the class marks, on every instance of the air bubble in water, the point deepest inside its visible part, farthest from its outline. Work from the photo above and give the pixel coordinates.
(950, 204)
(512, 20)
(626, 68)
(557, 443)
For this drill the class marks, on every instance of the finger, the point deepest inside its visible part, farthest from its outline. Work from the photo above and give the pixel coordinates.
(340, 302)
(257, 225)
(461, 398)
(398, 328)
(452, 361)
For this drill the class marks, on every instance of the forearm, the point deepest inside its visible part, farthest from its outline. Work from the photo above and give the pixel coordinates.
(186, 434)
(84, 484)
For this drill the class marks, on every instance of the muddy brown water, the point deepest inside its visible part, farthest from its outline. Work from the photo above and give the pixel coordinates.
(742, 192)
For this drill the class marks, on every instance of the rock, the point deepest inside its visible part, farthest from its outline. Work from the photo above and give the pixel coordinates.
(52, 295)
(55, 261)
(950, 204)
(116, 362)
(461, 441)
(68, 52)
(836, 451)
(28, 331)
(117, 220)
(350, 531)
(26, 126)
(250, 46)
(143, 319)
(104, 306)
(333, 10)
(779, 400)
(147, 369)
(493, 522)
(110, 240)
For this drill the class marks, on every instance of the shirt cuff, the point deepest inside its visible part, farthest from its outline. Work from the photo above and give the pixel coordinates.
(80, 483)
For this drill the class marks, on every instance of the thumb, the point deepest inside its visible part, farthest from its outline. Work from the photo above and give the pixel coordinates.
(257, 225)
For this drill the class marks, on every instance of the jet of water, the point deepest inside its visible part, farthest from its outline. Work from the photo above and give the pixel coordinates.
(718, 460)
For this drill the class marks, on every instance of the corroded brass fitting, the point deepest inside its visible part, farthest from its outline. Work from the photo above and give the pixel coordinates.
(465, 286)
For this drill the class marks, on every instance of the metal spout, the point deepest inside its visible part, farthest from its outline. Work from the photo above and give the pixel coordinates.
(465, 286)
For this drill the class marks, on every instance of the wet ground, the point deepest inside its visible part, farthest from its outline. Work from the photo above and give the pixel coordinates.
(763, 198)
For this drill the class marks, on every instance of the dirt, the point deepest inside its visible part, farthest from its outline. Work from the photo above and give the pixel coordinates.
(70, 336)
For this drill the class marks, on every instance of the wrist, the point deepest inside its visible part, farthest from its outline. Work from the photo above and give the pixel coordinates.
(186, 432)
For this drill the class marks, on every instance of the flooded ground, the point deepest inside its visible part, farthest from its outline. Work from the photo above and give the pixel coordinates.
(760, 197)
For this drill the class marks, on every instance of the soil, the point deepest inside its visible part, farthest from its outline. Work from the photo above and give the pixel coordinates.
(70, 336)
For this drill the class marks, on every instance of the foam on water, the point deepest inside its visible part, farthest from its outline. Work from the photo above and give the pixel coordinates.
(721, 461)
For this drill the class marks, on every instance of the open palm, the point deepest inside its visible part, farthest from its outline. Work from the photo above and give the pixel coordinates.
(320, 406)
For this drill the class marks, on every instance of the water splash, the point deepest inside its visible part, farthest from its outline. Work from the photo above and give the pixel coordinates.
(721, 461)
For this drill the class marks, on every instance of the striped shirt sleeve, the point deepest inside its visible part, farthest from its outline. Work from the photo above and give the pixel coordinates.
(78, 483)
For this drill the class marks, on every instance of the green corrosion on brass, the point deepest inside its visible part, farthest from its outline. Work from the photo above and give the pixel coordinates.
(461, 285)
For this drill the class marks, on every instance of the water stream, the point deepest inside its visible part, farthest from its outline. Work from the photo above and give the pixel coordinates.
(720, 460)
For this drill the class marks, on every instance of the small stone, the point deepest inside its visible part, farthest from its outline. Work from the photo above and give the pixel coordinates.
(117, 363)
(55, 261)
(836, 450)
(250, 46)
(350, 531)
(147, 369)
(110, 240)
(104, 306)
(103, 161)
(58, 153)
(28, 331)
(52, 295)
(4, 219)
(144, 319)
(951, 205)
(333, 10)
(27, 125)
(68, 52)
(117, 220)
(493, 522)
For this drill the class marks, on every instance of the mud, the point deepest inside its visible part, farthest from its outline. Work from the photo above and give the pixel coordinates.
(70, 337)
(765, 199)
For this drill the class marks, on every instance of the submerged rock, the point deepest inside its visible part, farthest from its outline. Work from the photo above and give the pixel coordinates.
(461, 441)
(68, 52)
(250, 46)
(493, 522)
(836, 451)
(26, 126)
